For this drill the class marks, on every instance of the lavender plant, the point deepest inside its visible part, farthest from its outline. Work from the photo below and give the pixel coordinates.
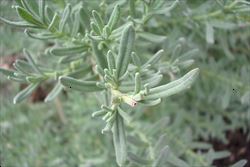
(102, 51)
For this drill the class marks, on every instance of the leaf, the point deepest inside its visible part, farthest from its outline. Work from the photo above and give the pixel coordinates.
(161, 157)
(42, 10)
(85, 19)
(19, 23)
(62, 51)
(138, 160)
(124, 115)
(240, 163)
(54, 23)
(111, 60)
(151, 102)
(41, 36)
(7, 72)
(85, 86)
(32, 62)
(70, 58)
(137, 83)
(25, 92)
(28, 17)
(174, 160)
(136, 59)
(100, 58)
(126, 46)
(119, 140)
(65, 17)
(54, 92)
(76, 24)
(98, 20)
(30, 6)
(152, 37)
(154, 59)
(114, 17)
(209, 33)
(173, 87)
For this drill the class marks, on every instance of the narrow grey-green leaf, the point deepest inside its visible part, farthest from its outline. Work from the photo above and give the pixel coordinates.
(54, 92)
(41, 36)
(154, 59)
(161, 157)
(119, 139)
(85, 18)
(85, 86)
(25, 92)
(7, 72)
(126, 46)
(240, 163)
(173, 87)
(152, 37)
(42, 10)
(19, 23)
(209, 33)
(28, 17)
(114, 17)
(136, 59)
(124, 115)
(65, 16)
(111, 60)
(32, 62)
(54, 23)
(63, 51)
(98, 20)
(100, 58)
(137, 83)
(138, 160)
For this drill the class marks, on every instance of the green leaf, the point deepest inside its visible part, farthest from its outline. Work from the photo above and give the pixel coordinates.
(41, 36)
(7, 72)
(42, 10)
(124, 115)
(99, 113)
(162, 157)
(70, 58)
(114, 17)
(240, 163)
(30, 6)
(136, 59)
(48, 13)
(100, 58)
(98, 20)
(32, 62)
(154, 59)
(76, 24)
(28, 17)
(85, 86)
(111, 60)
(126, 46)
(119, 139)
(137, 83)
(23, 66)
(85, 18)
(152, 37)
(173, 87)
(95, 28)
(209, 33)
(138, 160)
(65, 17)
(19, 23)
(25, 93)
(54, 92)
(150, 102)
(63, 51)
(54, 23)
